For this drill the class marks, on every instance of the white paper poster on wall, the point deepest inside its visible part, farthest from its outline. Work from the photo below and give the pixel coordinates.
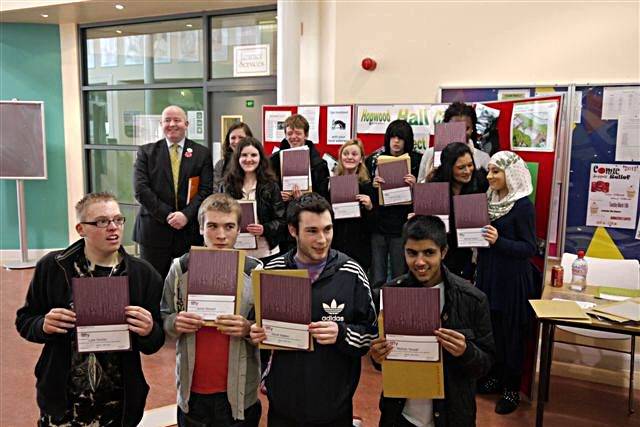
(274, 125)
(312, 114)
(620, 101)
(147, 128)
(613, 195)
(338, 124)
(533, 126)
(628, 139)
(250, 61)
(196, 124)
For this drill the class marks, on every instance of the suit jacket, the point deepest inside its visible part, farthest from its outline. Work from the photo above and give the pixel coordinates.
(154, 190)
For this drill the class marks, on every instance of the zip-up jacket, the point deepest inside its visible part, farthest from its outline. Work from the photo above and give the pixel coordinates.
(51, 288)
(465, 310)
(318, 386)
(243, 375)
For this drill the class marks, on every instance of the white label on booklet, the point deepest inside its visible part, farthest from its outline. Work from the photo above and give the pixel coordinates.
(211, 306)
(346, 210)
(285, 334)
(437, 155)
(395, 196)
(103, 338)
(246, 241)
(411, 347)
(445, 219)
(302, 181)
(471, 238)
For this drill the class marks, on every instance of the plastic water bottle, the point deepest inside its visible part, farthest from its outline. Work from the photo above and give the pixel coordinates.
(579, 270)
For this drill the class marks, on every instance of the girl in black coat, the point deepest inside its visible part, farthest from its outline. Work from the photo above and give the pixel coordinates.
(353, 235)
(250, 178)
(505, 272)
(458, 169)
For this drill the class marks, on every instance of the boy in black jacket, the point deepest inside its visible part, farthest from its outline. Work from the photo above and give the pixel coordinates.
(465, 334)
(91, 388)
(316, 388)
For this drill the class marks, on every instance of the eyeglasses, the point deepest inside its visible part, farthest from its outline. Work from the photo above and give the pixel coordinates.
(104, 222)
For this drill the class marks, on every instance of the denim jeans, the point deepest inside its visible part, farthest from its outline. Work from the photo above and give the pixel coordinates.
(384, 248)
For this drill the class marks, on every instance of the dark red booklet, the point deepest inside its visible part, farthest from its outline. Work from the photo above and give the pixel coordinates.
(344, 188)
(285, 299)
(471, 210)
(393, 174)
(446, 133)
(295, 162)
(411, 311)
(100, 300)
(213, 272)
(248, 215)
(431, 198)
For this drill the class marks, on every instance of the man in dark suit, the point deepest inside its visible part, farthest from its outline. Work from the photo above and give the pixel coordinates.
(167, 224)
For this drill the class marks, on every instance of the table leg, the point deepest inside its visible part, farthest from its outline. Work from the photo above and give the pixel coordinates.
(631, 373)
(552, 333)
(543, 375)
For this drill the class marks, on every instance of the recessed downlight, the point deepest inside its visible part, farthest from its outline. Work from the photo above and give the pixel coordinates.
(119, 6)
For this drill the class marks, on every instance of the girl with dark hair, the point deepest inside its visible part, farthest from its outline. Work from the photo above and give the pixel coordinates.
(250, 178)
(459, 170)
(505, 273)
(386, 236)
(231, 140)
(353, 235)
(457, 112)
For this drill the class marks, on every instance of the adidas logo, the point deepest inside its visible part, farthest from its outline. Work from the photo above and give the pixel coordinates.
(333, 309)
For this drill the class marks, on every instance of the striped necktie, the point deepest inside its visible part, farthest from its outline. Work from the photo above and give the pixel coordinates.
(175, 167)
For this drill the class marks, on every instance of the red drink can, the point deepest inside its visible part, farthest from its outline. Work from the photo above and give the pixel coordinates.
(557, 276)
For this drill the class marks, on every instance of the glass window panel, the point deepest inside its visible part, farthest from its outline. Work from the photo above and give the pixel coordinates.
(112, 171)
(129, 212)
(230, 32)
(156, 52)
(132, 117)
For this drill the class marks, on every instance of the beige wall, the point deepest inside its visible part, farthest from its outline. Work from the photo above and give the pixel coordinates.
(422, 45)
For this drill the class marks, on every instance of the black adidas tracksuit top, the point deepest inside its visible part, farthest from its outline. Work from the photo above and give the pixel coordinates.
(318, 386)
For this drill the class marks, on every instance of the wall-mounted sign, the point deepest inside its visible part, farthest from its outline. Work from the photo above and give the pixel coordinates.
(249, 61)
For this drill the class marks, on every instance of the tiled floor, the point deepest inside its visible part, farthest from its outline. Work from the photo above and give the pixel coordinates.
(572, 403)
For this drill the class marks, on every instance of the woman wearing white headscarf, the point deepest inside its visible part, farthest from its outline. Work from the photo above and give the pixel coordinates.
(505, 273)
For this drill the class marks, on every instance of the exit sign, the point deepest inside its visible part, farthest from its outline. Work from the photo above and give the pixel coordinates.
(249, 103)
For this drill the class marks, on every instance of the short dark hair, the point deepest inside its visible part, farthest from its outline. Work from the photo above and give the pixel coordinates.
(297, 121)
(425, 227)
(311, 202)
(400, 129)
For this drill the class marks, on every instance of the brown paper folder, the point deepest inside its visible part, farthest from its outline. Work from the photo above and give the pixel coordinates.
(194, 184)
(411, 380)
(255, 281)
(559, 309)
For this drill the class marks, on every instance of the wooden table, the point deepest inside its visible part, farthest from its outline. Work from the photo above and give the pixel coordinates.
(548, 329)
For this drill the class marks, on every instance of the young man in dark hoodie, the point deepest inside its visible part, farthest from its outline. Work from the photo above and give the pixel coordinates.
(466, 337)
(386, 240)
(82, 389)
(297, 131)
(316, 388)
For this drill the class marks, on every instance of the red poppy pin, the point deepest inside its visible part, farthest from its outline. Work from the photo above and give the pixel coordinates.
(188, 152)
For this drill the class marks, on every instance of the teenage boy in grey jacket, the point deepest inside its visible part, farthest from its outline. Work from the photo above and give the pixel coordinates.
(217, 369)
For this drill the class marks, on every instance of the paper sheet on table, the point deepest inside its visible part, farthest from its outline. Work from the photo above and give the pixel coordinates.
(628, 139)
(629, 309)
(558, 309)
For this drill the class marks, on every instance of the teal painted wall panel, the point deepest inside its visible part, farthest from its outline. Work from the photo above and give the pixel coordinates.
(30, 71)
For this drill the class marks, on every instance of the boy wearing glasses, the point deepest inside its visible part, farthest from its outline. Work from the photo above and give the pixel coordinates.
(91, 388)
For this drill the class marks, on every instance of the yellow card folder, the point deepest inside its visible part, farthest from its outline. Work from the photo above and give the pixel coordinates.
(255, 282)
(411, 380)
(559, 309)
